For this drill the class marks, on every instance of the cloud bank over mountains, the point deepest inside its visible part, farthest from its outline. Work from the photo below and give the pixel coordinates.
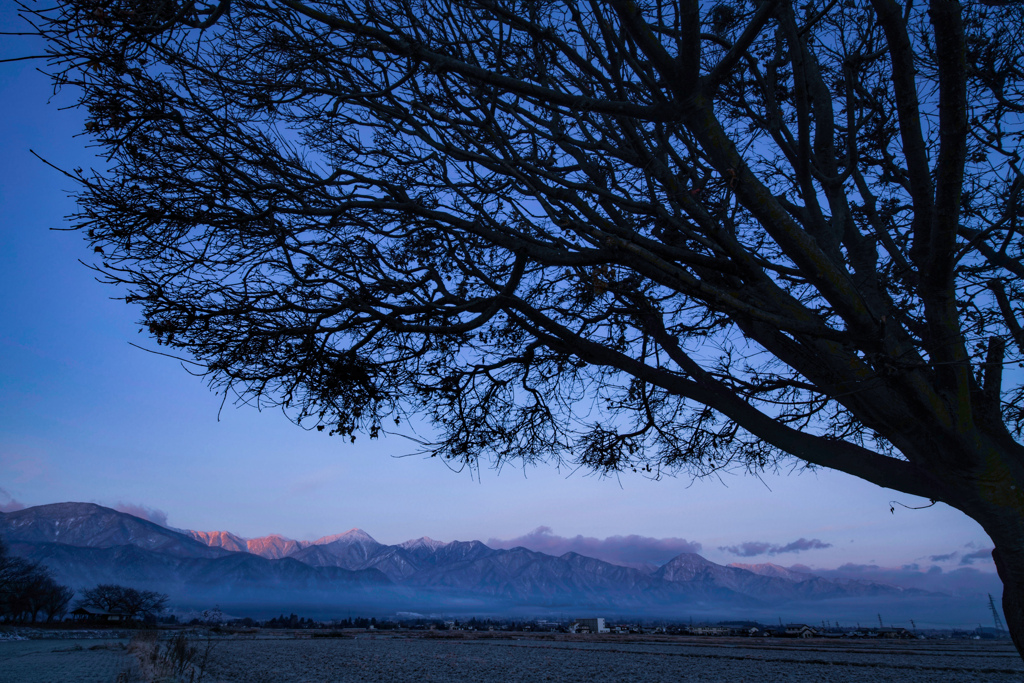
(982, 556)
(755, 548)
(85, 544)
(143, 512)
(629, 551)
(638, 551)
(964, 570)
(8, 503)
(958, 581)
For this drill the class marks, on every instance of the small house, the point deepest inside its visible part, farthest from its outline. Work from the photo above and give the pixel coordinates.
(96, 614)
(799, 631)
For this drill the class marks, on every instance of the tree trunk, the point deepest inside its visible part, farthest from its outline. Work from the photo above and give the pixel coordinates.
(1010, 565)
(997, 503)
(991, 492)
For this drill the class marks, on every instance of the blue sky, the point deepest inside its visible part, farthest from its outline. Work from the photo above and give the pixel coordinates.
(85, 416)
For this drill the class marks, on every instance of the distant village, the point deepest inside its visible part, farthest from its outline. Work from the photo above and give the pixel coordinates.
(576, 626)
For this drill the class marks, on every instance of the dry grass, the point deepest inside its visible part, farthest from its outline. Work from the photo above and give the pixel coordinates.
(182, 658)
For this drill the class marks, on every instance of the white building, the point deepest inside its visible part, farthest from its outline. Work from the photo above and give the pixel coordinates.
(595, 625)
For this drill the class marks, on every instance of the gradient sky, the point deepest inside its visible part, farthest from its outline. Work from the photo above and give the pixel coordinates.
(85, 416)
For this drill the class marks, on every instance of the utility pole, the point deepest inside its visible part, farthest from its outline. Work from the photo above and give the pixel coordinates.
(995, 614)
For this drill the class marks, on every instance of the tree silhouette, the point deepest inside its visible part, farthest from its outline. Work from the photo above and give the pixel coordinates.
(669, 236)
(128, 601)
(28, 588)
(56, 600)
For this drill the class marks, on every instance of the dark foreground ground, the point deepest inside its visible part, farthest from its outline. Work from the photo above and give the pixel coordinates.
(506, 659)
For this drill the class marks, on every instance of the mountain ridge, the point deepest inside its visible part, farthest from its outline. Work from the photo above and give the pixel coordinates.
(86, 544)
(91, 525)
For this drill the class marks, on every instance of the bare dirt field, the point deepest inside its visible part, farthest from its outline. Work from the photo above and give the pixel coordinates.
(446, 659)
(507, 658)
(63, 661)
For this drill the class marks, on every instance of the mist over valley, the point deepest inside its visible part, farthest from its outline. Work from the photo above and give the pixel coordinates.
(351, 573)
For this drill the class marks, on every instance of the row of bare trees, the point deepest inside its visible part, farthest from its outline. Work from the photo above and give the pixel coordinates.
(28, 590)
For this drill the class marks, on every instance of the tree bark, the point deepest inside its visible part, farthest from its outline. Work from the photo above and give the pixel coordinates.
(1010, 565)
(993, 495)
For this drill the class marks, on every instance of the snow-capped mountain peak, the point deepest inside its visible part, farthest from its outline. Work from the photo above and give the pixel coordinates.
(351, 536)
(85, 544)
(422, 542)
(769, 569)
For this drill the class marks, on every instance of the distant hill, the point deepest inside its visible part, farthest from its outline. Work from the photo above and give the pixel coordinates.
(87, 544)
(93, 526)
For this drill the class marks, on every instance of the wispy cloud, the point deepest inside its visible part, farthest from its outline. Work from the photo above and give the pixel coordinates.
(315, 481)
(629, 550)
(25, 467)
(143, 512)
(754, 548)
(962, 581)
(980, 554)
(8, 503)
(943, 558)
(983, 555)
(748, 549)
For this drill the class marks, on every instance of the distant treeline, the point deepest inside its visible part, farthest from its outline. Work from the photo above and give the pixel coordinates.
(335, 627)
(28, 591)
(294, 621)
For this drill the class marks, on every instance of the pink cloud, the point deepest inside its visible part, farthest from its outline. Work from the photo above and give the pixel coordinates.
(8, 503)
(25, 467)
(143, 512)
(629, 550)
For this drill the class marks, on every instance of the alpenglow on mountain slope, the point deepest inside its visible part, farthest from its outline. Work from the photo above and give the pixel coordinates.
(87, 544)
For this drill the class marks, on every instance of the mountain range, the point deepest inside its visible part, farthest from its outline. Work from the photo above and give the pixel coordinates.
(85, 544)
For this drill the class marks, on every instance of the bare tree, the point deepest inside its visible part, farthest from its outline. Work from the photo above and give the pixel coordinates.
(102, 596)
(28, 588)
(131, 602)
(56, 600)
(668, 236)
(134, 602)
(18, 578)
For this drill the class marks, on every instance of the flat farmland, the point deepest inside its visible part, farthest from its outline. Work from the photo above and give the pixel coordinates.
(446, 659)
(63, 661)
(486, 658)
